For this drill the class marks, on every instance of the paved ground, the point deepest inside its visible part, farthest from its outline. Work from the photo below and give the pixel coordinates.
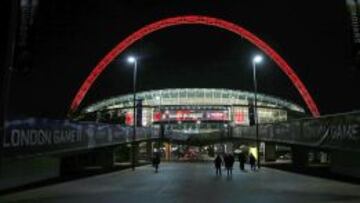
(193, 182)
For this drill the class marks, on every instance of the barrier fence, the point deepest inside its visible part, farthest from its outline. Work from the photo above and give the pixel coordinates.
(37, 136)
(340, 131)
(33, 136)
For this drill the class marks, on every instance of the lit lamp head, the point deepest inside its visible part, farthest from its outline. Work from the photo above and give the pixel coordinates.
(131, 59)
(257, 59)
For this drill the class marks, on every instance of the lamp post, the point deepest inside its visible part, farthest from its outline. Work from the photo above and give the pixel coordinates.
(167, 113)
(132, 60)
(161, 131)
(256, 59)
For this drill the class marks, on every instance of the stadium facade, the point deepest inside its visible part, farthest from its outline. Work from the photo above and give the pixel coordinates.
(192, 108)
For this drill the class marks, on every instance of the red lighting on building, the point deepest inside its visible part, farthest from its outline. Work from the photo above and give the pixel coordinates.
(129, 118)
(157, 116)
(239, 118)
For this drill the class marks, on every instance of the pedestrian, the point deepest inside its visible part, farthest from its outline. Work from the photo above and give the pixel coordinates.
(252, 161)
(156, 161)
(242, 160)
(229, 161)
(218, 162)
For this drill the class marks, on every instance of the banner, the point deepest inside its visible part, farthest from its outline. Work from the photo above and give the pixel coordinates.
(33, 136)
(329, 132)
(28, 137)
(353, 7)
(39, 135)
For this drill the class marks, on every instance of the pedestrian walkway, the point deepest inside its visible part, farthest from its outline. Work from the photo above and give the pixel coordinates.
(193, 182)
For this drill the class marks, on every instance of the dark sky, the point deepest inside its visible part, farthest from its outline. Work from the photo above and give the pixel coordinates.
(70, 37)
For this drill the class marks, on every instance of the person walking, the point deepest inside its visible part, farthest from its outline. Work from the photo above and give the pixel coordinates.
(229, 162)
(242, 160)
(156, 161)
(218, 162)
(252, 161)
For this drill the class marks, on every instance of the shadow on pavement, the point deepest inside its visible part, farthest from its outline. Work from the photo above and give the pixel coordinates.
(87, 173)
(322, 171)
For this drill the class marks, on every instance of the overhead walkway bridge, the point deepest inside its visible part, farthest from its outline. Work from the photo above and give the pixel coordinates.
(33, 137)
(36, 149)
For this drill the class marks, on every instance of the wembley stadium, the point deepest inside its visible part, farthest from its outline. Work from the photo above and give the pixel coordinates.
(191, 108)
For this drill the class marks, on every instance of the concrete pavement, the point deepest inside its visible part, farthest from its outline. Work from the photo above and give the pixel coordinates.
(193, 182)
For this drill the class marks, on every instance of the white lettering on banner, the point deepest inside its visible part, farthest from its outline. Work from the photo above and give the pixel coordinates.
(40, 137)
(344, 131)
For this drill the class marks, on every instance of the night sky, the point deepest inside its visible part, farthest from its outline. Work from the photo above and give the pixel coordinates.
(70, 37)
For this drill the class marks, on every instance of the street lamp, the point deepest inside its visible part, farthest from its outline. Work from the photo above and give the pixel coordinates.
(132, 60)
(257, 59)
(161, 131)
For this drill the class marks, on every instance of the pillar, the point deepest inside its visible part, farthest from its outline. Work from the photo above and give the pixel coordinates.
(300, 156)
(167, 151)
(323, 157)
(136, 153)
(270, 152)
(149, 150)
(105, 157)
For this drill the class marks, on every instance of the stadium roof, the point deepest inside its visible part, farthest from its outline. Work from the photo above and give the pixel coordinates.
(193, 96)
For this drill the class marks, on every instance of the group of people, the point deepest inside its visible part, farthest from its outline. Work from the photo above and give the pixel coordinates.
(228, 160)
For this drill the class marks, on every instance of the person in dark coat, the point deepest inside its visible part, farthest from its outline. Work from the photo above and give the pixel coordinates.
(242, 160)
(229, 163)
(156, 161)
(252, 161)
(218, 161)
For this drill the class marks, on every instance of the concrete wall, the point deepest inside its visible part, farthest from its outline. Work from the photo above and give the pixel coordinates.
(14, 173)
(346, 163)
(299, 156)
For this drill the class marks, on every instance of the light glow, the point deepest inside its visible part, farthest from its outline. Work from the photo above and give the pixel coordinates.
(257, 59)
(131, 59)
(253, 151)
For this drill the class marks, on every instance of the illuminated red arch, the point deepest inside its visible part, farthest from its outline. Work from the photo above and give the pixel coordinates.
(194, 19)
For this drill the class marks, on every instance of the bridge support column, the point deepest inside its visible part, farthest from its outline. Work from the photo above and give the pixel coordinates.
(149, 150)
(270, 152)
(105, 158)
(324, 158)
(345, 163)
(167, 151)
(300, 156)
(135, 154)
